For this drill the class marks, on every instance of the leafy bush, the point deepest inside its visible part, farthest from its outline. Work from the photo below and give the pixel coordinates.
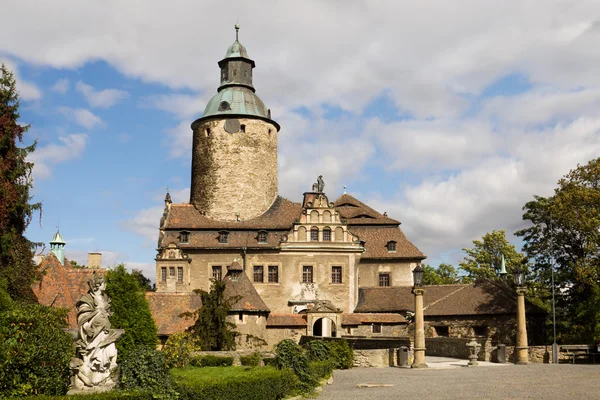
(320, 369)
(318, 350)
(252, 360)
(179, 348)
(342, 355)
(244, 384)
(289, 354)
(211, 361)
(130, 309)
(34, 351)
(144, 368)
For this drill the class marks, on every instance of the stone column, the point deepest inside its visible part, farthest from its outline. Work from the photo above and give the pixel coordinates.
(419, 359)
(522, 348)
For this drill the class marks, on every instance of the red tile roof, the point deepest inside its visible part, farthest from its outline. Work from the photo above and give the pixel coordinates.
(250, 300)
(283, 320)
(166, 308)
(358, 213)
(376, 239)
(369, 318)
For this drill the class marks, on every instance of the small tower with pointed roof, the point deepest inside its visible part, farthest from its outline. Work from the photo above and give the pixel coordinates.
(57, 246)
(234, 159)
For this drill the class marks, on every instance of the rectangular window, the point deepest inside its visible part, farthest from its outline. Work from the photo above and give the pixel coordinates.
(172, 271)
(259, 273)
(442, 331)
(384, 279)
(185, 237)
(314, 234)
(163, 274)
(273, 274)
(180, 274)
(326, 235)
(307, 274)
(376, 328)
(217, 272)
(480, 331)
(262, 237)
(223, 237)
(336, 274)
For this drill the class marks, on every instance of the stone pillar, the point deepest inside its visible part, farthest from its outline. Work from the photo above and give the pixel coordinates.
(419, 360)
(521, 348)
(325, 327)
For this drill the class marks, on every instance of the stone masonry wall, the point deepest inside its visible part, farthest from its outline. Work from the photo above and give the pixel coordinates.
(234, 172)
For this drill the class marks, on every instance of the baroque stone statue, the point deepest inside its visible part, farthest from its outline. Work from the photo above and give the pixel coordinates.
(95, 366)
(320, 184)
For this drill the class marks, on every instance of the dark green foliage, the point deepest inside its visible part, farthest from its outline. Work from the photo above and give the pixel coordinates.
(565, 233)
(318, 350)
(320, 369)
(144, 368)
(144, 282)
(252, 360)
(445, 274)
(16, 257)
(130, 310)
(290, 355)
(34, 350)
(249, 384)
(179, 348)
(211, 361)
(342, 355)
(211, 329)
(112, 395)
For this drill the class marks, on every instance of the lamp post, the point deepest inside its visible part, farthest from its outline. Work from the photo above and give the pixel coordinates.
(419, 359)
(521, 348)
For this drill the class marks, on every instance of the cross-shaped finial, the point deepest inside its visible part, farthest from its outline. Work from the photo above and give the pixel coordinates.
(344, 189)
(237, 30)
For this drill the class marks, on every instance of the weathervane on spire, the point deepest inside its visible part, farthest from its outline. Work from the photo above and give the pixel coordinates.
(237, 30)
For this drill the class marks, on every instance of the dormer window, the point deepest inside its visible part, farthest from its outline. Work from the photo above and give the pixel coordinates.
(223, 237)
(262, 237)
(184, 237)
(391, 246)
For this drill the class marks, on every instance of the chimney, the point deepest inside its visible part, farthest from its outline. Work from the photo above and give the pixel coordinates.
(94, 260)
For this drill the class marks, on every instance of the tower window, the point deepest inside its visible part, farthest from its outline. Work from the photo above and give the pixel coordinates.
(223, 237)
(184, 237)
(326, 235)
(307, 274)
(336, 274)
(384, 279)
(243, 128)
(391, 246)
(163, 274)
(172, 271)
(217, 272)
(314, 234)
(258, 273)
(273, 274)
(180, 274)
(262, 237)
(207, 132)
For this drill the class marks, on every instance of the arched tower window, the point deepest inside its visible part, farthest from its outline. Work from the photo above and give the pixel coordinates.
(326, 234)
(314, 234)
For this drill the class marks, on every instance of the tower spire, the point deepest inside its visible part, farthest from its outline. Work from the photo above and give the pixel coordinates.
(237, 31)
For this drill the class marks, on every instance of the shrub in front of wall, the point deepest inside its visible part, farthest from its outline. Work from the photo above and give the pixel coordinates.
(318, 350)
(342, 355)
(179, 348)
(252, 384)
(144, 368)
(320, 369)
(290, 355)
(252, 360)
(34, 351)
(211, 361)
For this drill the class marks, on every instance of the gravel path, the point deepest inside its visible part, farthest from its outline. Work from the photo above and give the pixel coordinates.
(534, 381)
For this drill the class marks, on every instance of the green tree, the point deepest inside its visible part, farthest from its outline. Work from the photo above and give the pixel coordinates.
(483, 261)
(565, 233)
(144, 282)
(211, 328)
(16, 211)
(130, 310)
(445, 274)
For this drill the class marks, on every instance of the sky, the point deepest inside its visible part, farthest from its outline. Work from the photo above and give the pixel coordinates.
(447, 115)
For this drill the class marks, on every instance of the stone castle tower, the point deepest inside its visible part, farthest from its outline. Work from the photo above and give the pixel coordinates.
(234, 159)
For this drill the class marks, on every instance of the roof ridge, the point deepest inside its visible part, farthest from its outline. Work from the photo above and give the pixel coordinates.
(445, 297)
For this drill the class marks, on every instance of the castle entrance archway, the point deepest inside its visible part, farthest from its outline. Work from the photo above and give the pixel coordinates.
(324, 327)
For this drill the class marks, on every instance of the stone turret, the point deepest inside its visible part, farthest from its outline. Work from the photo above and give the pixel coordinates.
(234, 160)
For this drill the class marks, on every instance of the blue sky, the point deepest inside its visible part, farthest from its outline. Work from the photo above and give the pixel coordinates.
(448, 120)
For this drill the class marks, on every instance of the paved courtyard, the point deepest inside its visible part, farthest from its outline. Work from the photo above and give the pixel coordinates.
(451, 379)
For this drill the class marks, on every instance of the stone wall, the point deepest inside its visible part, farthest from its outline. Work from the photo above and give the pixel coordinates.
(400, 272)
(234, 173)
(378, 358)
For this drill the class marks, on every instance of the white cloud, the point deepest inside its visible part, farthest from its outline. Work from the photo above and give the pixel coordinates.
(184, 106)
(82, 117)
(100, 98)
(61, 86)
(44, 158)
(179, 140)
(27, 90)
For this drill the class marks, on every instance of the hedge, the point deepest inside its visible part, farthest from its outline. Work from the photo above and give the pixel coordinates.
(250, 384)
(211, 361)
(252, 360)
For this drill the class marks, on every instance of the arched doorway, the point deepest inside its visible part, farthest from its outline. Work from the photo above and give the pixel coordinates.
(324, 327)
